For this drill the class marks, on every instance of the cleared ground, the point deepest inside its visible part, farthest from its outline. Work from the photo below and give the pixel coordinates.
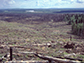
(44, 37)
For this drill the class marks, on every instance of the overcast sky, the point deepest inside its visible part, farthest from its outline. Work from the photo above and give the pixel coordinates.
(41, 4)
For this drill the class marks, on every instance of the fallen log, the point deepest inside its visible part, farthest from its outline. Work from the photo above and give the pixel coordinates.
(44, 44)
(50, 59)
(21, 52)
(79, 59)
(29, 61)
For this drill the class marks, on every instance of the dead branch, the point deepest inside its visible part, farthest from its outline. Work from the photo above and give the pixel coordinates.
(56, 59)
(29, 61)
(44, 44)
(70, 58)
(25, 52)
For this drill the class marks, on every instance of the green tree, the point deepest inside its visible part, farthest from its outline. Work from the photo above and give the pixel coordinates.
(77, 22)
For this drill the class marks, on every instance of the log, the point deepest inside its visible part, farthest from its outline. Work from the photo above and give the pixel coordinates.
(44, 44)
(79, 59)
(56, 59)
(25, 52)
(29, 61)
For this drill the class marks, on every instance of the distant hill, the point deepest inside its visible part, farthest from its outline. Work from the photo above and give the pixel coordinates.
(51, 10)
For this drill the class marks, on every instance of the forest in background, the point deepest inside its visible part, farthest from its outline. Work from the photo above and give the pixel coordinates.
(77, 22)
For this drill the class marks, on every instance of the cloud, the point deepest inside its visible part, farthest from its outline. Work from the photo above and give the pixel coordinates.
(80, 1)
(6, 3)
(9, 2)
(63, 2)
(58, 3)
(41, 3)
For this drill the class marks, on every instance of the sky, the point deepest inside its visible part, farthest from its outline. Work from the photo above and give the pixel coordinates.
(8, 4)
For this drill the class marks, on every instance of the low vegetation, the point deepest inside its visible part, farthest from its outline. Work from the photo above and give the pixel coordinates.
(35, 33)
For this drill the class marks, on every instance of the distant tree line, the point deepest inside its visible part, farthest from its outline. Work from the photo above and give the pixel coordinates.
(77, 22)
